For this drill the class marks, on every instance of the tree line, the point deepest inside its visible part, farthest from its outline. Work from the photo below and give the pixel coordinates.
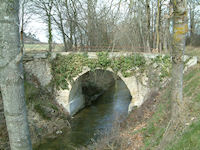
(144, 25)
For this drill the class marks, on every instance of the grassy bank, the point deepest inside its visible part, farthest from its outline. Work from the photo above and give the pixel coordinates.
(189, 137)
(192, 51)
(146, 125)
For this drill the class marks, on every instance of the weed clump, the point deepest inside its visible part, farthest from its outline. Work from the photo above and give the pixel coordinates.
(65, 68)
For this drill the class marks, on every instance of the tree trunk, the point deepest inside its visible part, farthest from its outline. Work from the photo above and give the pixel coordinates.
(64, 41)
(158, 25)
(179, 38)
(153, 26)
(62, 29)
(63, 34)
(192, 24)
(22, 27)
(11, 77)
(50, 39)
(179, 29)
(148, 24)
(91, 22)
(71, 34)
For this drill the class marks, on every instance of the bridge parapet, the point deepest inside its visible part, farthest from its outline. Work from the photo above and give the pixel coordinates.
(45, 55)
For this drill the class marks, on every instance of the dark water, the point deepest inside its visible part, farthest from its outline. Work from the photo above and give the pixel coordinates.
(91, 121)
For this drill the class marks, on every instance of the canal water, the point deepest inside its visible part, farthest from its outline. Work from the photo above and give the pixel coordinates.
(94, 120)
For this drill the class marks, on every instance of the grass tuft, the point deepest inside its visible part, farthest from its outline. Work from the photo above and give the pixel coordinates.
(190, 140)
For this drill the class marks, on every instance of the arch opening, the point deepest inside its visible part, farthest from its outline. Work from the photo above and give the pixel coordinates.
(90, 86)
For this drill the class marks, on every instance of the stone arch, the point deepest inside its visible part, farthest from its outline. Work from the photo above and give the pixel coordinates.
(72, 100)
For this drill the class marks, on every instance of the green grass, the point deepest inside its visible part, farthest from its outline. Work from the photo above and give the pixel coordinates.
(40, 110)
(190, 88)
(31, 93)
(192, 82)
(192, 51)
(42, 47)
(36, 99)
(156, 125)
(191, 74)
(190, 140)
(197, 98)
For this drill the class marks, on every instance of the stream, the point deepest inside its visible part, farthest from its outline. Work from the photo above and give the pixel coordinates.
(93, 121)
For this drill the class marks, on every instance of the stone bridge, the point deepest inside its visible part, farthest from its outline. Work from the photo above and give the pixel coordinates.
(38, 66)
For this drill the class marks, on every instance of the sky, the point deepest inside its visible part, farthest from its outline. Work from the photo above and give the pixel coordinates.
(37, 28)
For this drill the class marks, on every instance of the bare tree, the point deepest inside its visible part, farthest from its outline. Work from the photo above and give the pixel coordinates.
(59, 19)
(25, 16)
(11, 77)
(193, 20)
(91, 18)
(71, 11)
(68, 19)
(44, 9)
